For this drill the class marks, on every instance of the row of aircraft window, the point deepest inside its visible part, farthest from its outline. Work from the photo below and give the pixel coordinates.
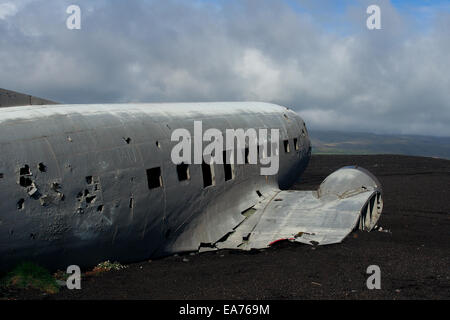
(154, 177)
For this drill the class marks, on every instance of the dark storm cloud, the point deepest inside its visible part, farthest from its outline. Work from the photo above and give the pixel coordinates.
(320, 60)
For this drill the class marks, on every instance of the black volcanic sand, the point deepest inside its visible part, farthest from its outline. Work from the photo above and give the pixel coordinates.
(413, 256)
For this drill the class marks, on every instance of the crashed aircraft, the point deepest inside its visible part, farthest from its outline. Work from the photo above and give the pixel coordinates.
(81, 184)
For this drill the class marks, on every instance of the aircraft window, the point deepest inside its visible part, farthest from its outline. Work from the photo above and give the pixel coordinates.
(207, 171)
(287, 149)
(183, 172)
(227, 167)
(154, 178)
(296, 143)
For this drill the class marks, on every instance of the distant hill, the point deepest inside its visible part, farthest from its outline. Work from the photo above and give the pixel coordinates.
(336, 142)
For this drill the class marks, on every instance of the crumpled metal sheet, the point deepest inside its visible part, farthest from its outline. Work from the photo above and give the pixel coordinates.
(347, 199)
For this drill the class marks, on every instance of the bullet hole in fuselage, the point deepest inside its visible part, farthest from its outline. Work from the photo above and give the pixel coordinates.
(42, 167)
(127, 140)
(25, 182)
(20, 204)
(91, 199)
(25, 170)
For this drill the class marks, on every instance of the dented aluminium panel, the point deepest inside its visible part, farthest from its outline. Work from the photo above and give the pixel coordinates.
(80, 184)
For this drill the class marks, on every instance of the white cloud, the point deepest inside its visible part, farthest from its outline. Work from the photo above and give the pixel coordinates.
(263, 75)
(393, 80)
(7, 9)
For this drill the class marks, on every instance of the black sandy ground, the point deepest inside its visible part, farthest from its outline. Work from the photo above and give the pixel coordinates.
(413, 256)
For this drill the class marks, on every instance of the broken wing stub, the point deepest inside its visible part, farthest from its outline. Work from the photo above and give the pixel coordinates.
(349, 198)
(9, 98)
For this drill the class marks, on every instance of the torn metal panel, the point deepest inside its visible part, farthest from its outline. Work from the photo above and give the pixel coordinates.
(305, 218)
(349, 198)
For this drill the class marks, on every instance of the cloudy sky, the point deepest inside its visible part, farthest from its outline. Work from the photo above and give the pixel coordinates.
(316, 56)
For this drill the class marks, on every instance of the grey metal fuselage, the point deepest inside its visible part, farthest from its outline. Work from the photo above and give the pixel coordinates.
(74, 185)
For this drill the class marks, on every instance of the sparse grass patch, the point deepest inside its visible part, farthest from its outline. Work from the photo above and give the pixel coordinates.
(108, 266)
(29, 275)
(105, 267)
(61, 275)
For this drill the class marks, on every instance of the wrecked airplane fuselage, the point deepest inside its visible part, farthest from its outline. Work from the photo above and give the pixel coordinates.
(80, 184)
